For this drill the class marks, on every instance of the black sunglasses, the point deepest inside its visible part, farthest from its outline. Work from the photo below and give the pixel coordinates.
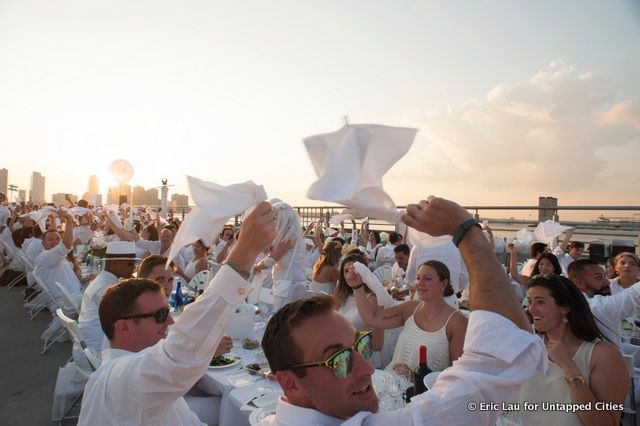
(160, 315)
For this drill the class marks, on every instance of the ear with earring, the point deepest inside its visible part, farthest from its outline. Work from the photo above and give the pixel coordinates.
(564, 317)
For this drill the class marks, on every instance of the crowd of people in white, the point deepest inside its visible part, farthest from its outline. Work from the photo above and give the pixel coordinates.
(327, 284)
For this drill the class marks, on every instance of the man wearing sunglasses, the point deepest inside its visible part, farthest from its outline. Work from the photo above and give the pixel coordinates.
(147, 369)
(120, 262)
(319, 358)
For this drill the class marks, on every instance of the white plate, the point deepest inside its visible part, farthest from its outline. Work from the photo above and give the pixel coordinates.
(236, 360)
(259, 414)
(430, 379)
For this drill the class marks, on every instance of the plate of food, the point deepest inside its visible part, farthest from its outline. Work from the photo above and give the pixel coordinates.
(259, 414)
(224, 361)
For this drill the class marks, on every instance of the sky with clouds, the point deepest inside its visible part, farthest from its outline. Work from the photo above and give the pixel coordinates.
(512, 100)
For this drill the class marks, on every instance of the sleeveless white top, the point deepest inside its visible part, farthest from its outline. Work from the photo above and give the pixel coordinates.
(412, 337)
(190, 269)
(551, 387)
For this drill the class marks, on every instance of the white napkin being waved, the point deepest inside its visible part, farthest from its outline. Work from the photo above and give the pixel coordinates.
(214, 206)
(350, 164)
(384, 299)
(546, 231)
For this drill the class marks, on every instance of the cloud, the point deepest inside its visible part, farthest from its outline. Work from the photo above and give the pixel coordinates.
(540, 135)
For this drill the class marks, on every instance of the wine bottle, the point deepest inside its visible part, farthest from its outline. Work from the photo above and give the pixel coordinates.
(421, 371)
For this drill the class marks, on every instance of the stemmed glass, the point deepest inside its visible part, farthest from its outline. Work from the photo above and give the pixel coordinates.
(265, 369)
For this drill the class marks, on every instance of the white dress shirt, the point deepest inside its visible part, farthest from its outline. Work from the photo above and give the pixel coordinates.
(386, 255)
(398, 274)
(564, 259)
(611, 310)
(89, 320)
(34, 249)
(498, 357)
(52, 266)
(527, 268)
(147, 387)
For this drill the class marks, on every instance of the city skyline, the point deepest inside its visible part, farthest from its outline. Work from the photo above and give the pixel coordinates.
(506, 110)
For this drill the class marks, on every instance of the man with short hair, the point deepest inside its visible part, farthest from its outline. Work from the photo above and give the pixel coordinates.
(568, 252)
(399, 269)
(119, 263)
(147, 369)
(609, 311)
(52, 266)
(319, 358)
(155, 267)
(385, 254)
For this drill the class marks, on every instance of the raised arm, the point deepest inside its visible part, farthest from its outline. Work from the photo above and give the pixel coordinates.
(490, 288)
(364, 228)
(67, 237)
(565, 243)
(392, 317)
(161, 374)
(513, 266)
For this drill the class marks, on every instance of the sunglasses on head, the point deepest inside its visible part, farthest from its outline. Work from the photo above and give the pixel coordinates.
(160, 315)
(341, 362)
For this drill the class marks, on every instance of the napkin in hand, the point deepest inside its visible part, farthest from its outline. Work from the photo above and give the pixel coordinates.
(214, 206)
(384, 299)
(546, 231)
(350, 164)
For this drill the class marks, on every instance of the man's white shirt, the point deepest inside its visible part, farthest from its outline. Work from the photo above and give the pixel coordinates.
(147, 387)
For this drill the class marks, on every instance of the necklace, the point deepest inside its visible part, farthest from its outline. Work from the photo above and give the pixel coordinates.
(426, 321)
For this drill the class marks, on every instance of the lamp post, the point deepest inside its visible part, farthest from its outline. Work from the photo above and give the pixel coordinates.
(12, 189)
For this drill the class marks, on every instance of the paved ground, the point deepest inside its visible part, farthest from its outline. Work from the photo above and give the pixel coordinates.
(27, 378)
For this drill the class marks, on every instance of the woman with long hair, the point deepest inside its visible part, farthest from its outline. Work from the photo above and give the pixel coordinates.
(325, 271)
(428, 321)
(583, 369)
(346, 302)
(546, 263)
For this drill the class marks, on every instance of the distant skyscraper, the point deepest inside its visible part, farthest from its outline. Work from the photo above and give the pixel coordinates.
(36, 194)
(94, 187)
(4, 182)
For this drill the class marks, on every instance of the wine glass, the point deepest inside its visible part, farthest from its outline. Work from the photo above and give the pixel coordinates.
(265, 369)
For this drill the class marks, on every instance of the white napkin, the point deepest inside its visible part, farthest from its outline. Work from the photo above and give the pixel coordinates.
(214, 205)
(350, 164)
(546, 231)
(79, 211)
(336, 219)
(384, 299)
(41, 217)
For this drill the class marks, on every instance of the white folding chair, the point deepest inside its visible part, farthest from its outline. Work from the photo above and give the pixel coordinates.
(38, 301)
(383, 273)
(200, 281)
(54, 331)
(75, 334)
(72, 301)
(16, 259)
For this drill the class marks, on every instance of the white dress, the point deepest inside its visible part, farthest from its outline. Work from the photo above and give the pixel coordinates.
(412, 337)
(551, 387)
(289, 282)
